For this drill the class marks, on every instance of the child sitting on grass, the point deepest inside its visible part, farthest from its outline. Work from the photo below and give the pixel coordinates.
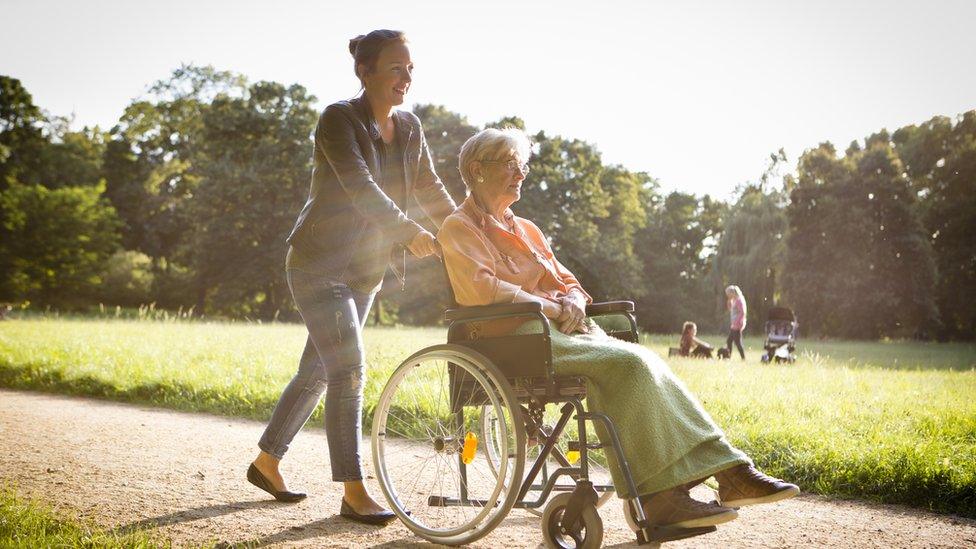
(691, 345)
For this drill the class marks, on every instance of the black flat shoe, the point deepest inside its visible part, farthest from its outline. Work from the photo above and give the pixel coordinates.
(379, 519)
(256, 478)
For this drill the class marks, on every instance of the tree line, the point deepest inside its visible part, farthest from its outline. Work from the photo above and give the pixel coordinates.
(187, 200)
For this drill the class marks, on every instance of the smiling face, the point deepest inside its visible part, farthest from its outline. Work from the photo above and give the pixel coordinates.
(389, 80)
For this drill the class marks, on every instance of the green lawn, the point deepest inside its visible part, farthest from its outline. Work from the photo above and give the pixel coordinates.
(28, 524)
(889, 421)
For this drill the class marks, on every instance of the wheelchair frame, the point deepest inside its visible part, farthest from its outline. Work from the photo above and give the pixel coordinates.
(525, 362)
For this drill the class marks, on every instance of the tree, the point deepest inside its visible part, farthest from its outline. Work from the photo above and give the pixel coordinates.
(614, 270)
(127, 280)
(40, 149)
(446, 131)
(148, 168)
(22, 141)
(71, 158)
(940, 159)
(752, 250)
(675, 249)
(54, 243)
(252, 166)
(858, 263)
(589, 211)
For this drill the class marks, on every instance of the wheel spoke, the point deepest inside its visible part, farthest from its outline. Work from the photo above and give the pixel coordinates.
(420, 460)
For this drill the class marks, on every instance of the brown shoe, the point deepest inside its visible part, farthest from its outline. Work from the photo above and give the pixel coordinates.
(676, 508)
(744, 485)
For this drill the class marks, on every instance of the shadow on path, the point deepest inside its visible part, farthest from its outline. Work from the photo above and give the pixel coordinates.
(326, 527)
(196, 513)
(338, 525)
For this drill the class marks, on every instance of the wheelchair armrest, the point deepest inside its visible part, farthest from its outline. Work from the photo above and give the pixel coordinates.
(494, 310)
(608, 307)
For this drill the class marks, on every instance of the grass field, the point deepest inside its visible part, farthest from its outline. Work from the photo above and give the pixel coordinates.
(888, 421)
(28, 524)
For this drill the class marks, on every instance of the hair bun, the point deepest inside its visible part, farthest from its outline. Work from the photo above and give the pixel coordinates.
(354, 43)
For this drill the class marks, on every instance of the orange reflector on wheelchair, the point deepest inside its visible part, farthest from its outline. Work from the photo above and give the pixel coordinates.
(470, 447)
(572, 456)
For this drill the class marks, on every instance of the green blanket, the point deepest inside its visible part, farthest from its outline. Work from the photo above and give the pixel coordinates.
(667, 437)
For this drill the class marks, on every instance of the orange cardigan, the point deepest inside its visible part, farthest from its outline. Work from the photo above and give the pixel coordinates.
(498, 262)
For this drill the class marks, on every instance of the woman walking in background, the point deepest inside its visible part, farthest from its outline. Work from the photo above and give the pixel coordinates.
(370, 161)
(736, 304)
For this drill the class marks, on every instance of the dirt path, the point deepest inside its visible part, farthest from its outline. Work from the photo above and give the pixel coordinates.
(124, 466)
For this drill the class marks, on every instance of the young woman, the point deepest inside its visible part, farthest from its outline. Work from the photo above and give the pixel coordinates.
(369, 162)
(735, 302)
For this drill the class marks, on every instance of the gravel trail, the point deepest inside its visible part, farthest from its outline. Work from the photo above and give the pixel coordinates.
(129, 466)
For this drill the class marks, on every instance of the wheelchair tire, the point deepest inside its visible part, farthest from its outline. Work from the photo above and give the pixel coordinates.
(426, 460)
(590, 536)
(598, 473)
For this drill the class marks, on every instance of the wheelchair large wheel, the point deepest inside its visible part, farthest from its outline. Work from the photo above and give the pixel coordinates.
(587, 535)
(425, 444)
(598, 473)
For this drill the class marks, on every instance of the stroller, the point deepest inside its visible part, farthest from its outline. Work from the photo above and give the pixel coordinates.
(781, 332)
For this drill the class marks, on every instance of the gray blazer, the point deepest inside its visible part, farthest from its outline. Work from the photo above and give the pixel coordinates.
(348, 227)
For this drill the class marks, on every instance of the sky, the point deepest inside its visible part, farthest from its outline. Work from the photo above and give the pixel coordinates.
(696, 94)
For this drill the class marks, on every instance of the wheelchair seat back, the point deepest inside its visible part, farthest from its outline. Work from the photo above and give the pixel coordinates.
(525, 360)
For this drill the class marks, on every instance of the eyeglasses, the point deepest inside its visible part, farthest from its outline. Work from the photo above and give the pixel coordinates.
(511, 164)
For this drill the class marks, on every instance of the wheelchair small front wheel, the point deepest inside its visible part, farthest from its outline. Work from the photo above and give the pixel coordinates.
(426, 438)
(586, 534)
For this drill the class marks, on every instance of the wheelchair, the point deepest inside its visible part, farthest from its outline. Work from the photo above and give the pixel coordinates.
(460, 436)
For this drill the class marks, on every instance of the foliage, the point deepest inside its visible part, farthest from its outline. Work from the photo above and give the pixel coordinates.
(148, 169)
(752, 251)
(21, 138)
(887, 421)
(858, 261)
(590, 212)
(40, 150)
(252, 165)
(70, 158)
(206, 173)
(675, 248)
(127, 280)
(54, 243)
(940, 158)
(446, 131)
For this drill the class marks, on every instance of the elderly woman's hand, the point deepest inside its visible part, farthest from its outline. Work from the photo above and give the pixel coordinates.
(573, 315)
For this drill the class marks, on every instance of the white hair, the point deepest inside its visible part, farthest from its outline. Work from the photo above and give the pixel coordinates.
(491, 144)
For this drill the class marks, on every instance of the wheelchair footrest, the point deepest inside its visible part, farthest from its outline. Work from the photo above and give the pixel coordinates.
(444, 501)
(658, 534)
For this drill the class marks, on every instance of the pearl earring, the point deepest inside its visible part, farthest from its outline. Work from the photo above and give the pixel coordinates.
(481, 179)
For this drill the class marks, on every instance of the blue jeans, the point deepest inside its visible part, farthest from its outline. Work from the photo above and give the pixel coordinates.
(334, 363)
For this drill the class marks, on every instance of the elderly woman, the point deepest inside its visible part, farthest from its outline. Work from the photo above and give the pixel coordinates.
(671, 443)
